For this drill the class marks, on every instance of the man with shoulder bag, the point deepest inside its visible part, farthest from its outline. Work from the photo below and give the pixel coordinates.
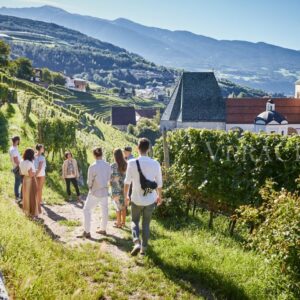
(144, 173)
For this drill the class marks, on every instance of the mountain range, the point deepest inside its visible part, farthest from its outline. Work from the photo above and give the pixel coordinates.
(61, 49)
(258, 65)
(73, 53)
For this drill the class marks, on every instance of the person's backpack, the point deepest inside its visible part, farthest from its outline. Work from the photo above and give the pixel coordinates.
(147, 185)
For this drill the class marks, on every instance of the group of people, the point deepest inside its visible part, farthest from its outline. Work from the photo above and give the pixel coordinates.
(30, 173)
(134, 181)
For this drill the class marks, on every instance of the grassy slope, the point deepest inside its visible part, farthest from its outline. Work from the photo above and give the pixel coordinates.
(100, 104)
(182, 260)
(36, 267)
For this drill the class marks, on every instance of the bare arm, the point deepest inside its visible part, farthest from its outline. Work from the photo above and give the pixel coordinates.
(126, 196)
(159, 186)
(90, 178)
(63, 171)
(31, 173)
(127, 182)
(16, 160)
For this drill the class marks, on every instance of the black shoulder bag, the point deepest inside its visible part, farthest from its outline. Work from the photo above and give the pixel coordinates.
(147, 185)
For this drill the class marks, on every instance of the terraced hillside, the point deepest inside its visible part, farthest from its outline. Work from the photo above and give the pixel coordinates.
(99, 105)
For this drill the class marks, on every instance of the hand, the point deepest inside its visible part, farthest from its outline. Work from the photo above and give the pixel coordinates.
(158, 200)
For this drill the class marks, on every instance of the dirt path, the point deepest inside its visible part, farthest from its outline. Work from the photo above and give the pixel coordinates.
(65, 223)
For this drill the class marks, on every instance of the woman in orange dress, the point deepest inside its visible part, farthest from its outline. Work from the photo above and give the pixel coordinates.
(29, 189)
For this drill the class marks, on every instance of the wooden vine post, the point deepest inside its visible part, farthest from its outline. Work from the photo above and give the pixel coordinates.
(166, 150)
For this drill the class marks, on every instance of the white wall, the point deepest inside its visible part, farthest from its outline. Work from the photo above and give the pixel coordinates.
(167, 125)
(297, 91)
(279, 129)
(245, 127)
(206, 125)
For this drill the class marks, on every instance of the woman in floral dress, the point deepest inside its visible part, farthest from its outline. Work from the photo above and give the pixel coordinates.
(117, 185)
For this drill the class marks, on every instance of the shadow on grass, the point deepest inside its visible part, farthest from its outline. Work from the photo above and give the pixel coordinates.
(200, 221)
(124, 244)
(10, 111)
(49, 231)
(31, 123)
(196, 280)
(53, 215)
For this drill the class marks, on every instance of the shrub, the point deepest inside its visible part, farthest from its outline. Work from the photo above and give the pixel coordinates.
(145, 128)
(277, 229)
(4, 132)
(221, 171)
(57, 134)
(4, 93)
(25, 104)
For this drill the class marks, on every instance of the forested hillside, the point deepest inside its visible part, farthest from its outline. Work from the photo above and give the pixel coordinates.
(69, 51)
(65, 50)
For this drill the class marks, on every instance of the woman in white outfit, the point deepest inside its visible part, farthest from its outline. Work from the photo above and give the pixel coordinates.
(27, 169)
(40, 166)
(98, 180)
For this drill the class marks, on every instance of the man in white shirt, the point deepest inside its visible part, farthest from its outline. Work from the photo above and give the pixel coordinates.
(98, 179)
(15, 158)
(142, 203)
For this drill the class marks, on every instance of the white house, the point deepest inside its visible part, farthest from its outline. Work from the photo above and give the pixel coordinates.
(271, 121)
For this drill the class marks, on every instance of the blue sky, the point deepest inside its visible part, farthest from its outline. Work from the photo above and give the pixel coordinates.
(272, 21)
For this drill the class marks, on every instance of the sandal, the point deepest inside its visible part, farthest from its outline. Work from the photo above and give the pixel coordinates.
(117, 225)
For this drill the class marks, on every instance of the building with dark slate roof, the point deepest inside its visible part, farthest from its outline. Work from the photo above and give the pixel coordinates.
(121, 117)
(196, 102)
(148, 113)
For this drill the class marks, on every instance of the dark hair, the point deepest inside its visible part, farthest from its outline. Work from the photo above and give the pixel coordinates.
(144, 145)
(98, 152)
(38, 147)
(28, 154)
(128, 148)
(67, 153)
(120, 160)
(15, 139)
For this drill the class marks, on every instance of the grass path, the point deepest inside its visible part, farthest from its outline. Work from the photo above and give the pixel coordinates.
(65, 223)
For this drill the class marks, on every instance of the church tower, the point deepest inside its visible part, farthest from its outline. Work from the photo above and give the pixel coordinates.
(297, 89)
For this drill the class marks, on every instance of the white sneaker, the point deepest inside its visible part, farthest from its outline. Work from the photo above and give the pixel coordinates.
(136, 249)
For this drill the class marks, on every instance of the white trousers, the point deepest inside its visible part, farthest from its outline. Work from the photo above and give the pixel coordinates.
(90, 203)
